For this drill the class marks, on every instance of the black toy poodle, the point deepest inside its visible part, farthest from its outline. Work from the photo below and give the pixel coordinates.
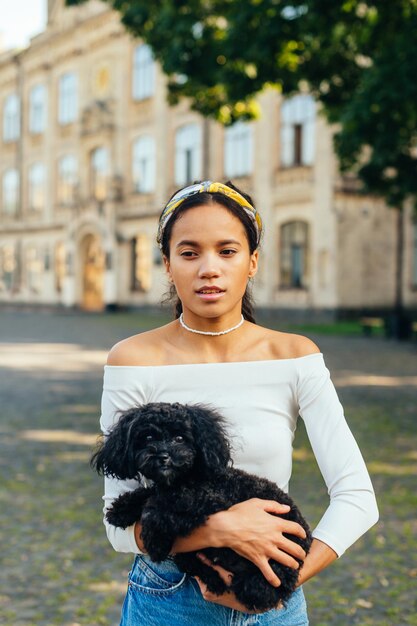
(185, 452)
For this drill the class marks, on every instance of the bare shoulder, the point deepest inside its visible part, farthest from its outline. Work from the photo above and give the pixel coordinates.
(284, 345)
(142, 349)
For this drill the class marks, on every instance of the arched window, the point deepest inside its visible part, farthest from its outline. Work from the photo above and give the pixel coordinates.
(67, 179)
(67, 98)
(11, 181)
(188, 154)
(37, 109)
(37, 187)
(294, 254)
(144, 164)
(297, 131)
(99, 173)
(238, 150)
(11, 118)
(143, 83)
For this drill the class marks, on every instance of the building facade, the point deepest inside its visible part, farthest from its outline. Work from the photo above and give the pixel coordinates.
(90, 151)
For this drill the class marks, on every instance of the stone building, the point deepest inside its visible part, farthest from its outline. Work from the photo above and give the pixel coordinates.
(90, 151)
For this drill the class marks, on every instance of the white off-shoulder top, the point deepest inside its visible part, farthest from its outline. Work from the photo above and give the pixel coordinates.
(261, 401)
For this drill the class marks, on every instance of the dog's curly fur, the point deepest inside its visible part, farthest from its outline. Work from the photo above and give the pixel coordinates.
(185, 452)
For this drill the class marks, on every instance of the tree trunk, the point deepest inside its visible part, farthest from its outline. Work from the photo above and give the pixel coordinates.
(399, 323)
(399, 258)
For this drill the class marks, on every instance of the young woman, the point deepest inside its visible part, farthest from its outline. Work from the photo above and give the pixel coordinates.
(261, 380)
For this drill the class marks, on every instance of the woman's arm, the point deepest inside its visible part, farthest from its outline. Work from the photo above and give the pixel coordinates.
(352, 509)
(319, 557)
(250, 530)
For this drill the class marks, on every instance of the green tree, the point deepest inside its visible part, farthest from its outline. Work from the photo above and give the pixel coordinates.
(357, 58)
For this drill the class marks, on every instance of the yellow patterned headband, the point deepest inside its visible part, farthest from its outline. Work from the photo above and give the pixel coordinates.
(210, 187)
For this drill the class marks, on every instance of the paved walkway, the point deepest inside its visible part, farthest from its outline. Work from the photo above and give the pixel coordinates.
(56, 567)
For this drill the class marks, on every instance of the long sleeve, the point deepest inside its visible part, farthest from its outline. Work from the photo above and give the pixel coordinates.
(353, 509)
(117, 398)
(274, 391)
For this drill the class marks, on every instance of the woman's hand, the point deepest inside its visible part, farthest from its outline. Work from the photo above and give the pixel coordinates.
(251, 531)
(226, 599)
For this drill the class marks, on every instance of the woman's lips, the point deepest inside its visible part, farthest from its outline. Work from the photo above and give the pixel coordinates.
(210, 294)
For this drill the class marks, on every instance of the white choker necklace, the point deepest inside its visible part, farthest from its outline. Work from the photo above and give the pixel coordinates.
(208, 332)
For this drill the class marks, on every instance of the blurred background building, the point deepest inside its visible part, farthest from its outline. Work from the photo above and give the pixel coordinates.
(90, 151)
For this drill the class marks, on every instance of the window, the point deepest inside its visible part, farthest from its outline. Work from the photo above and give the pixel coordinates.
(34, 269)
(143, 73)
(67, 99)
(8, 268)
(414, 256)
(141, 263)
(11, 182)
(67, 179)
(99, 173)
(59, 266)
(144, 164)
(188, 154)
(238, 150)
(37, 109)
(11, 118)
(294, 255)
(297, 131)
(37, 187)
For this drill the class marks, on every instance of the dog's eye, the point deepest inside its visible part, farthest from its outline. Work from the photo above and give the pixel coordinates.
(178, 439)
(149, 437)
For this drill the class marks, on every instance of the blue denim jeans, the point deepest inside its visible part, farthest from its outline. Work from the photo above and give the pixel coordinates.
(159, 594)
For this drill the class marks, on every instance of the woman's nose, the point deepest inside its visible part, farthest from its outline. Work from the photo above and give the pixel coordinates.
(208, 268)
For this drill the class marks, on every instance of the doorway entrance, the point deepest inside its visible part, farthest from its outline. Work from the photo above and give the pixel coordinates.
(93, 274)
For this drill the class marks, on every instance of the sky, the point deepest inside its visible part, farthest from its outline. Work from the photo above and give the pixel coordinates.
(20, 20)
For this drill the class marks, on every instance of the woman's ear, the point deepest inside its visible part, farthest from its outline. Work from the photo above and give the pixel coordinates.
(167, 268)
(253, 263)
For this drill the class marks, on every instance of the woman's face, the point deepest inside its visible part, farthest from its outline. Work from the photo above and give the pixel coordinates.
(210, 262)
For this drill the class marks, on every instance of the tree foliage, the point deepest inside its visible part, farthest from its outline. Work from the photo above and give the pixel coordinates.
(357, 58)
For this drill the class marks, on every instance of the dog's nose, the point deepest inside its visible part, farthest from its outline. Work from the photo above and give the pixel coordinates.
(164, 457)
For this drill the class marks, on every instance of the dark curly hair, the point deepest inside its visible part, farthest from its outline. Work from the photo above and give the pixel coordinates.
(233, 207)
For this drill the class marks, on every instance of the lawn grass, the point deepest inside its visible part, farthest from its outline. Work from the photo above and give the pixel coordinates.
(374, 583)
(342, 329)
(141, 320)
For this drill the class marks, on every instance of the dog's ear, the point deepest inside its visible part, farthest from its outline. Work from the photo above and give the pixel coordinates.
(210, 439)
(113, 456)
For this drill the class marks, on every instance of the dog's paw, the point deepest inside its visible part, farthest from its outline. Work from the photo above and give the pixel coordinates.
(127, 509)
(116, 519)
(121, 516)
(157, 544)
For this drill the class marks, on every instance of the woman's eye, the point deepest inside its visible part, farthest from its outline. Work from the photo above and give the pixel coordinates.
(228, 252)
(178, 439)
